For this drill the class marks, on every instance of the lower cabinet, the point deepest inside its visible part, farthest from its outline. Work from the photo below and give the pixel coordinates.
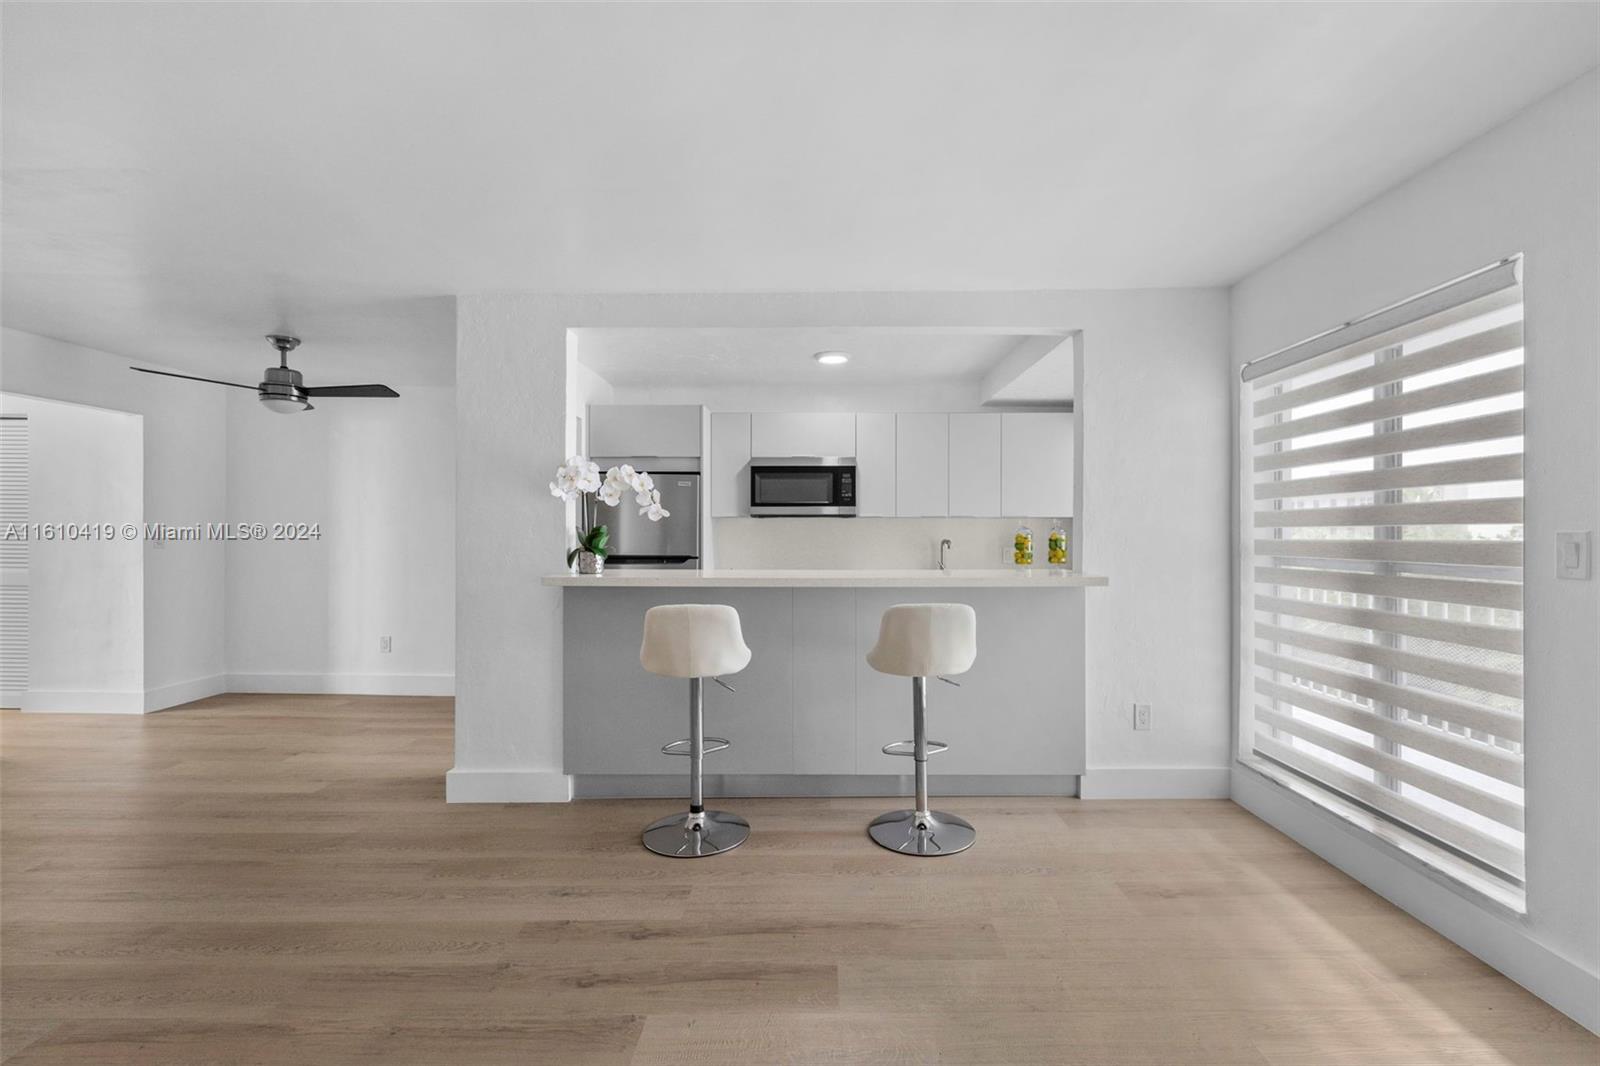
(808, 703)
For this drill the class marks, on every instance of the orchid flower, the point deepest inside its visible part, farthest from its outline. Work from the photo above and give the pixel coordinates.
(650, 506)
(579, 479)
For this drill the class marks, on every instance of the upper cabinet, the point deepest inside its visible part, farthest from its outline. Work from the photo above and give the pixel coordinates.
(922, 465)
(730, 464)
(1036, 461)
(776, 434)
(875, 465)
(645, 430)
(975, 465)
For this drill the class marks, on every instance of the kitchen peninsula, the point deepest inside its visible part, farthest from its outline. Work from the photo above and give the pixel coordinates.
(809, 715)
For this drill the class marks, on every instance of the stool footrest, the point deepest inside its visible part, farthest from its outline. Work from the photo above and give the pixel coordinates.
(684, 746)
(909, 747)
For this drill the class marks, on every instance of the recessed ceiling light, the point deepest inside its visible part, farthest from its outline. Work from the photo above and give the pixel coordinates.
(832, 358)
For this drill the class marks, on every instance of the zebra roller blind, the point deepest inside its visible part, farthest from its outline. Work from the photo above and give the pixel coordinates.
(1382, 585)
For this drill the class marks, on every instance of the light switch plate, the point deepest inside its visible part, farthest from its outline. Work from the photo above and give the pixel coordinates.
(1573, 554)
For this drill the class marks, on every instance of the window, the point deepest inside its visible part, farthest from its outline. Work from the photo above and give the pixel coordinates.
(1381, 622)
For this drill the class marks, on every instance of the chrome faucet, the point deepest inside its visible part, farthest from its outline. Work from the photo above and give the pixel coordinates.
(943, 544)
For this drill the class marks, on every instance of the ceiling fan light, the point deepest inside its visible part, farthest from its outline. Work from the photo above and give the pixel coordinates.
(832, 358)
(284, 405)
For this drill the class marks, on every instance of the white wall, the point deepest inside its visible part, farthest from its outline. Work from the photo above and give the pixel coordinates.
(184, 482)
(1151, 358)
(280, 616)
(1530, 186)
(377, 478)
(86, 615)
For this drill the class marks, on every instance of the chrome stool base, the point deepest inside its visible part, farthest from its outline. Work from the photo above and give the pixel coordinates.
(687, 835)
(925, 833)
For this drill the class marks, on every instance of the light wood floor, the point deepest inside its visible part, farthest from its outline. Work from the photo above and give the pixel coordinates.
(258, 879)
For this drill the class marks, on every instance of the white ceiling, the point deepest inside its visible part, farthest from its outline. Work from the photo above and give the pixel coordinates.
(181, 178)
(782, 357)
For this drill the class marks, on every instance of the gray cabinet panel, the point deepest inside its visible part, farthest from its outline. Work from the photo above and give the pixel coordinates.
(809, 704)
(824, 684)
(618, 714)
(1019, 710)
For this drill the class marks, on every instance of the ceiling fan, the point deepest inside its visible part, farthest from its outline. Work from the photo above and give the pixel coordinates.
(281, 390)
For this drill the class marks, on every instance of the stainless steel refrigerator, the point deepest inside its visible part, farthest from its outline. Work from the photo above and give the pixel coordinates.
(673, 541)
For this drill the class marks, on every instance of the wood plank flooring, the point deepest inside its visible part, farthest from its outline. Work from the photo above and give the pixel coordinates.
(277, 879)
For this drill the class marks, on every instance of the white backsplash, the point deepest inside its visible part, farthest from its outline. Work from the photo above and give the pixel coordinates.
(871, 543)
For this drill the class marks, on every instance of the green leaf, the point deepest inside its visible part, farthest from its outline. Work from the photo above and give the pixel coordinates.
(599, 537)
(571, 555)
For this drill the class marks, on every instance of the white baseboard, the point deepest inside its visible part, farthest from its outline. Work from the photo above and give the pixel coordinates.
(507, 786)
(1154, 782)
(346, 684)
(1496, 937)
(671, 786)
(62, 702)
(181, 692)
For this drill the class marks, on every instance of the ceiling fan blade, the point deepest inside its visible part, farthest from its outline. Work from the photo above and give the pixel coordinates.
(191, 377)
(351, 390)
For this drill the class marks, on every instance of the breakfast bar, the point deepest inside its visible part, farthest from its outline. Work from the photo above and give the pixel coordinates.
(809, 715)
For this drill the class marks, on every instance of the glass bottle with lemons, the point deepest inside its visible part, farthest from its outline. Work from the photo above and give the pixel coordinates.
(1022, 546)
(1057, 546)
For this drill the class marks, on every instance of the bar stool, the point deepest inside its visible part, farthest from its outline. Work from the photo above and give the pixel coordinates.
(922, 640)
(696, 641)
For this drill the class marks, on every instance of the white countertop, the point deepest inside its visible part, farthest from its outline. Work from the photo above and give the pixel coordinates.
(642, 577)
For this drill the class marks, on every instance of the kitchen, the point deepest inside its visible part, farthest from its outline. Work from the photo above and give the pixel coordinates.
(804, 484)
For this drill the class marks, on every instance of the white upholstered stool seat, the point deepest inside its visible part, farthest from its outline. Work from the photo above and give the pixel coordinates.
(693, 640)
(696, 641)
(919, 641)
(926, 640)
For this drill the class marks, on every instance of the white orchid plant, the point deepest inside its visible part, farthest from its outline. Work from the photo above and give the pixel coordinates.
(579, 479)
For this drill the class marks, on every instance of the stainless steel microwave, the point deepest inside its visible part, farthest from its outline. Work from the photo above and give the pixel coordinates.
(803, 485)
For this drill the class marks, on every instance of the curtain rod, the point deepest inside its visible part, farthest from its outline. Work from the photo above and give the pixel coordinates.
(1470, 286)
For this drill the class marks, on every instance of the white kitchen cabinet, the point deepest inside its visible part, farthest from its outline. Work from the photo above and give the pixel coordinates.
(975, 465)
(1036, 460)
(730, 464)
(875, 465)
(922, 465)
(777, 434)
(669, 430)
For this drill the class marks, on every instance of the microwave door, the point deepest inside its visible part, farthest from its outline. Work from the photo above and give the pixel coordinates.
(676, 536)
(792, 488)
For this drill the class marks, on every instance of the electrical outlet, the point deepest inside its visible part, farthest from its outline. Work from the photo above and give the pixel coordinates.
(1572, 555)
(1141, 716)
(386, 644)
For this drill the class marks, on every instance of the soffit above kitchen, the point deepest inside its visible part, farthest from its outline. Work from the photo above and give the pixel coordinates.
(1011, 367)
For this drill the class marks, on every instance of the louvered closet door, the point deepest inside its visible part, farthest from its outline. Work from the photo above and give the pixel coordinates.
(13, 560)
(1384, 554)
